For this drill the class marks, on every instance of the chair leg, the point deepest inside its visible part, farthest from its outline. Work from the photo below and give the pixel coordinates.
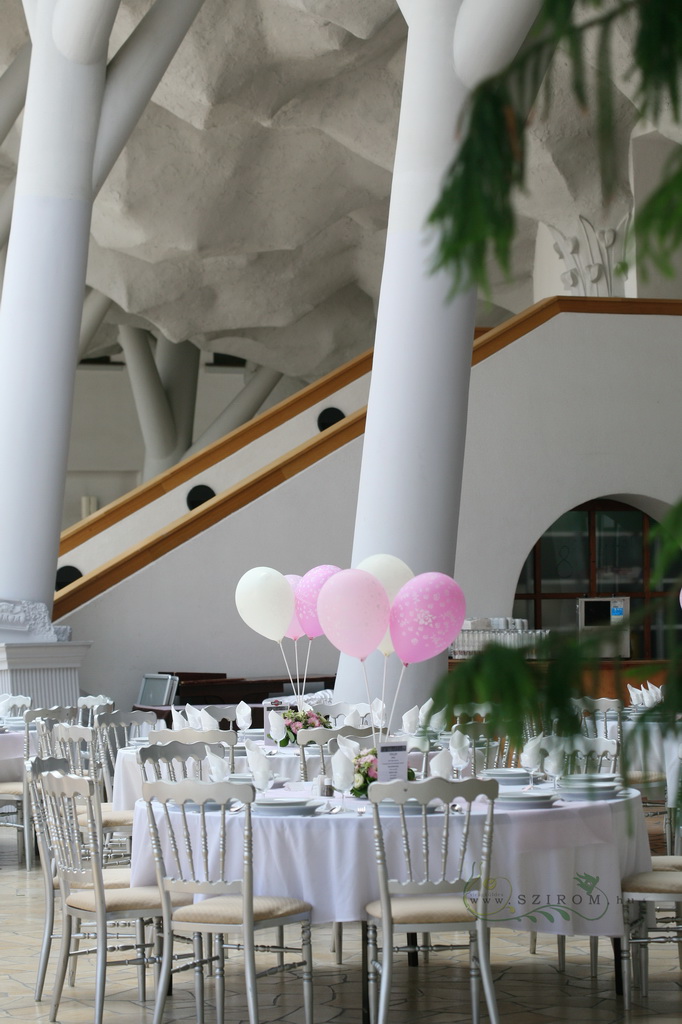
(337, 941)
(141, 950)
(372, 953)
(386, 976)
(219, 973)
(46, 946)
(678, 922)
(626, 966)
(250, 978)
(100, 969)
(487, 975)
(62, 964)
(561, 952)
(533, 943)
(306, 950)
(75, 943)
(163, 983)
(594, 955)
(198, 976)
(474, 978)
(280, 943)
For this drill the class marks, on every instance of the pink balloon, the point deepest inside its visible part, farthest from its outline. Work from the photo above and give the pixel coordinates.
(426, 616)
(353, 609)
(307, 593)
(295, 630)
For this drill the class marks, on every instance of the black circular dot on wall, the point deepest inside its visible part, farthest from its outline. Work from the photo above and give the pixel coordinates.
(198, 495)
(328, 417)
(66, 574)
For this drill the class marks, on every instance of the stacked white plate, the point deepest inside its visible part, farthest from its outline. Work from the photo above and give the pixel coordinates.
(388, 807)
(285, 806)
(525, 799)
(588, 787)
(508, 776)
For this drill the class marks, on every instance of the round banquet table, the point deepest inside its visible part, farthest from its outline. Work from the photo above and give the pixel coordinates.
(557, 870)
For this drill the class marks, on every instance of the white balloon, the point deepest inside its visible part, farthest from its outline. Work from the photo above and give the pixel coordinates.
(265, 601)
(393, 574)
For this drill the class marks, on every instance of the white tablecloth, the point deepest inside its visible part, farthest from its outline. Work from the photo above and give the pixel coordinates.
(12, 754)
(556, 870)
(285, 763)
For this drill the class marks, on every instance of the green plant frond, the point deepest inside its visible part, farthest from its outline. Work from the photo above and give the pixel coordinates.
(668, 533)
(658, 55)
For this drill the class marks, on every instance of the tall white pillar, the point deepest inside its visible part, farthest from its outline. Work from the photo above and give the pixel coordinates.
(46, 256)
(410, 482)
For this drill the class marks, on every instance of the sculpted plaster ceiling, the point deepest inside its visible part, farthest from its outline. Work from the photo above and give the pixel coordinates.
(248, 210)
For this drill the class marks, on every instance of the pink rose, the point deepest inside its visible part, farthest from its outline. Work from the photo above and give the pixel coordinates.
(296, 726)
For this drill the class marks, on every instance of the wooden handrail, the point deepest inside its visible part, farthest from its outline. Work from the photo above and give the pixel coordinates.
(499, 337)
(215, 452)
(192, 523)
(259, 483)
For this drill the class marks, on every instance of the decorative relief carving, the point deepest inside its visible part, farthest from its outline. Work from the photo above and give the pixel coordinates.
(591, 264)
(30, 617)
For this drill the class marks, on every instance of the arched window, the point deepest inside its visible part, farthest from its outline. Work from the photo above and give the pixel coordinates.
(600, 549)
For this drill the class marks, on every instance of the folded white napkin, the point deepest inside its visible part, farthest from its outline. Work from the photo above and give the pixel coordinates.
(277, 728)
(259, 766)
(648, 698)
(424, 712)
(218, 767)
(635, 696)
(303, 705)
(534, 752)
(343, 771)
(441, 765)
(193, 717)
(411, 720)
(655, 691)
(353, 718)
(378, 709)
(243, 715)
(460, 749)
(437, 722)
(351, 748)
(178, 720)
(208, 721)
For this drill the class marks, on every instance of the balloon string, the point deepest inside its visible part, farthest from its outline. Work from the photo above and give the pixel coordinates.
(307, 659)
(281, 647)
(383, 692)
(395, 699)
(369, 701)
(297, 690)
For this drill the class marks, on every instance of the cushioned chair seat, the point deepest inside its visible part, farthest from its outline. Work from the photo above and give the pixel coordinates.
(111, 818)
(654, 881)
(666, 863)
(437, 909)
(141, 896)
(12, 789)
(114, 878)
(228, 909)
(644, 777)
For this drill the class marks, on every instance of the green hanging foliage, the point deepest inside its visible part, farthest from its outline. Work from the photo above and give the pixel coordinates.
(474, 215)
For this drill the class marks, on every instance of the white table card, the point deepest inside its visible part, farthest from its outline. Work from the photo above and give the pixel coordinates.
(392, 760)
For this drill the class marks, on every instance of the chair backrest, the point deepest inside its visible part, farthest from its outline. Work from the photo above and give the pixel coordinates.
(321, 738)
(338, 712)
(187, 859)
(431, 855)
(223, 713)
(590, 754)
(117, 729)
(600, 716)
(16, 704)
(91, 705)
(78, 744)
(74, 826)
(193, 736)
(36, 767)
(177, 761)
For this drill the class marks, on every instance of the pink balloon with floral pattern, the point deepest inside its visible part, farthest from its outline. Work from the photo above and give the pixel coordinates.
(306, 595)
(295, 630)
(426, 615)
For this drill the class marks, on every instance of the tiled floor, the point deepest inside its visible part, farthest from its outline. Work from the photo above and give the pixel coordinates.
(529, 988)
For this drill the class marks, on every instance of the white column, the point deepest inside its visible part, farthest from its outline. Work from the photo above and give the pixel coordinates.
(47, 256)
(410, 482)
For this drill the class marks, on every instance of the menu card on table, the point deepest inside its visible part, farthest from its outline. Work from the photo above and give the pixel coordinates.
(391, 760)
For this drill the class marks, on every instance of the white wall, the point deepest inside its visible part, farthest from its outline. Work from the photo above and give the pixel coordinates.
(583, 407)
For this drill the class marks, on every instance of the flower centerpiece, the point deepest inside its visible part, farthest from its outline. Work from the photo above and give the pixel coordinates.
(294, 721)
(365, 765)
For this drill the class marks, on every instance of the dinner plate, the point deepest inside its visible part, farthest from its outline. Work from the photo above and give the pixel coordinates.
(526, 798)
(411, 807)
(588, 779)
(587, 794)
(286, 806)
(508, 776)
